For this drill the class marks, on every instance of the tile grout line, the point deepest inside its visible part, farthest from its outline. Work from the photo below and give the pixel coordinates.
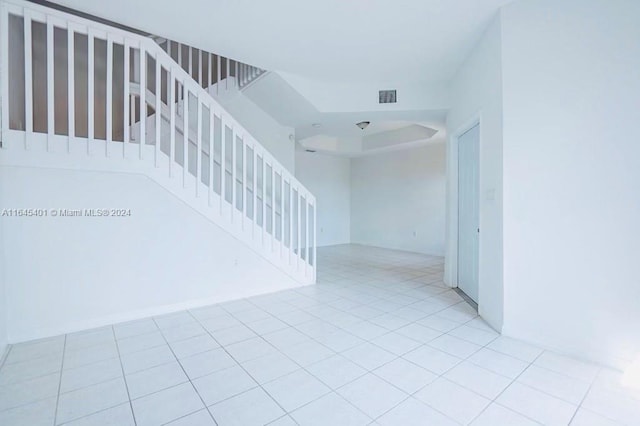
(305, 368)
(340, 289)
(185, 374)
(494, 400)
(461, 324)
(64, 350)
(486, 347)
(438, 376)
(584, 397)
(409, 395)
(532, 363)
(32, 379)
(124, 377)
(5, 356)
(483, 347)
(368, 371)
(442, 375)
(259, 385)
(261, 308)
(73, 368)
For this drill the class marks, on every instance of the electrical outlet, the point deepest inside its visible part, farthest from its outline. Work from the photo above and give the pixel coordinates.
(235, 262)
(321, 230)
(415, 234)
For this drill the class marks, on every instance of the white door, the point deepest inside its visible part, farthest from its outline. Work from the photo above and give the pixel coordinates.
(468, 211)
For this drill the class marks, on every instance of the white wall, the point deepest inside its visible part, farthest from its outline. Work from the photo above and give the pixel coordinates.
(273, 136)
(571, 175)
(3, 298)
(397, 194)
(70, 273)
(329, 180)
(476, 94)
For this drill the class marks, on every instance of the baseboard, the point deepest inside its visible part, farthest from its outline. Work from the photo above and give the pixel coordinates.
(592, 357)
(405, 250)
(334, 244)
(128, 316)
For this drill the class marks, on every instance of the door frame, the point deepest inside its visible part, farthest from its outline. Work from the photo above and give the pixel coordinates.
(451, 259)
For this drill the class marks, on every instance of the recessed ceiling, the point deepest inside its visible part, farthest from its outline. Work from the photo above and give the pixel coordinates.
(287, 106)
(333, 40)
(343, 125)
(396, 137)
(337, 132)
(384, 136)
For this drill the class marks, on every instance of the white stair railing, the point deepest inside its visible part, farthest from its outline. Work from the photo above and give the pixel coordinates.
(71, 93)
(207, 68)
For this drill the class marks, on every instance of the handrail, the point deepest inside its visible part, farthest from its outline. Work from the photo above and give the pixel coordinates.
(79, 24)
(278, 185)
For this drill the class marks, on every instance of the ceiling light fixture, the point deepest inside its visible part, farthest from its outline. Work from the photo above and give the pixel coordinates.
(316, 125)
(363, 124)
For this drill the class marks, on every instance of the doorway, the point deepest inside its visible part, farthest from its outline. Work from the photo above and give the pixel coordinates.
(468, 211)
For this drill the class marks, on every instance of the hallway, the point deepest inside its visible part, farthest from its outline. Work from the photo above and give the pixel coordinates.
(379, 340)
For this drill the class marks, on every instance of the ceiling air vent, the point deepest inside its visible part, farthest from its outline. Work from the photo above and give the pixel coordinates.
(387, 97)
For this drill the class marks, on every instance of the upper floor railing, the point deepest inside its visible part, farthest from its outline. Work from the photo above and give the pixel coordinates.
(208, 68)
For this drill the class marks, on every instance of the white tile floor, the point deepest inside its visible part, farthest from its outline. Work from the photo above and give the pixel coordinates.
(378, 341)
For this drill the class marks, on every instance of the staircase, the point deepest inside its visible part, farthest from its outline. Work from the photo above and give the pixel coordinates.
(213, 72)
(77, 94)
